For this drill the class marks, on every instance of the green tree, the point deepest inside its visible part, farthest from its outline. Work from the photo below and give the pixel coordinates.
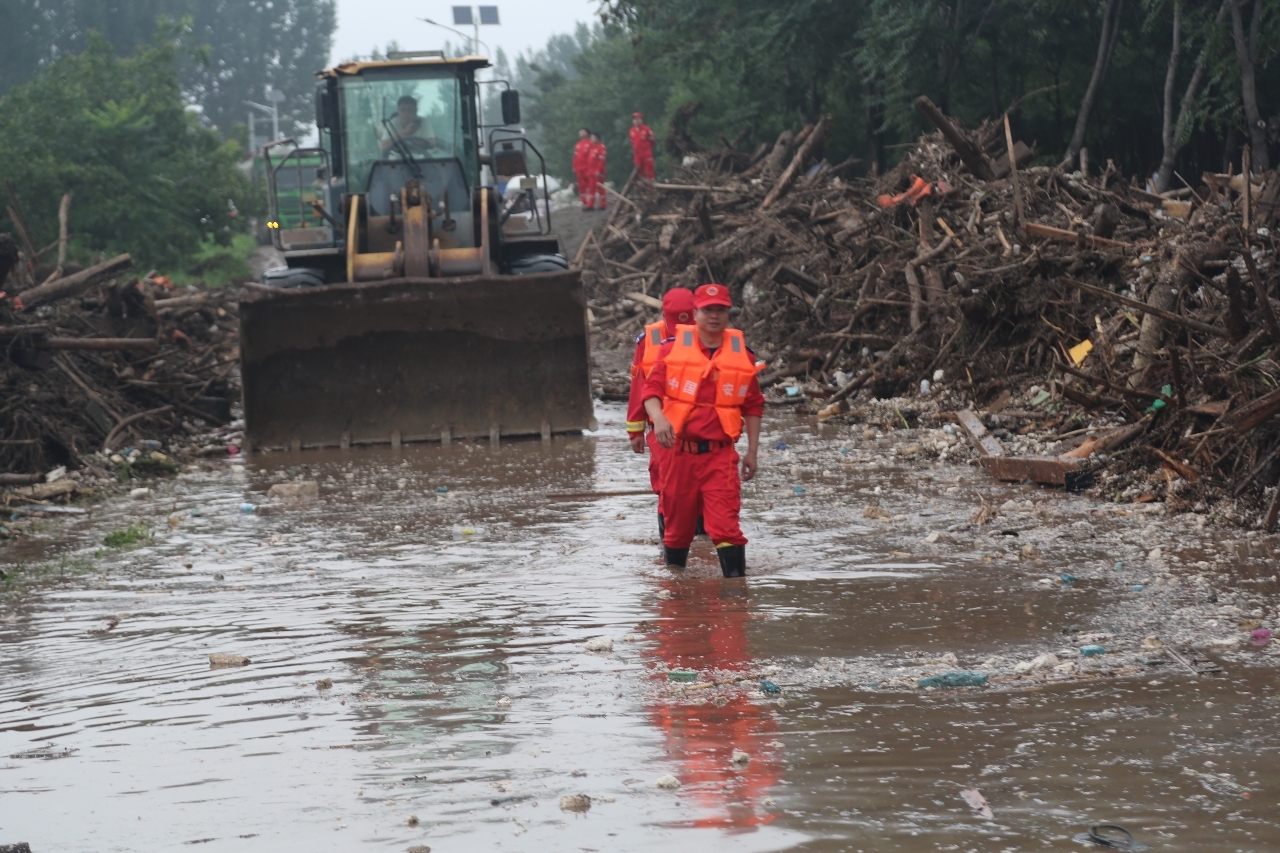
(147, 176)
(247, 45)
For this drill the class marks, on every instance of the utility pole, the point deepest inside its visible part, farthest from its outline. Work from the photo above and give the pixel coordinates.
(276, 97)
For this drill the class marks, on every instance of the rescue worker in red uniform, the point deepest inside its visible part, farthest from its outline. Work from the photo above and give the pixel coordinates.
(642, 147)
(599, 169)
(677, 308)
(701, 395)
(581, 165)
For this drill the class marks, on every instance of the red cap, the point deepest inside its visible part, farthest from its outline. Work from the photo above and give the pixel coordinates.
(637, 115)
(677, 308)
(711, 294)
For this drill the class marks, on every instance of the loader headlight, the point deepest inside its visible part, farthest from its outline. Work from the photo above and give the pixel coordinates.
(273, 224)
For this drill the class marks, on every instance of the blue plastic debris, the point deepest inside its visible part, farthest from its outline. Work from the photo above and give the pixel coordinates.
(955, 679)
(793, 391)
(781, 445)
(197, 513)
(1092, 651)
(247, 508)
(1119, 564)
(1067, 579)
(769, 688)
(797, 490)
(442, 489)
(1137, 587)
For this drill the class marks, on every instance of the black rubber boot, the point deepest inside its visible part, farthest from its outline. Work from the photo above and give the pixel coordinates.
(677, 557)
(733, 560)
(662, 527)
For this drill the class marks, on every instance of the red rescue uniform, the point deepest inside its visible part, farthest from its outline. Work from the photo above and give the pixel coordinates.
(642, 150)
(598, 166)
(713, 392)
(677, 308)
(648, 345)
(582, 169)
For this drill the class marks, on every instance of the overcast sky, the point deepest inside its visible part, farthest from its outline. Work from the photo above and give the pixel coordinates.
(366, 24)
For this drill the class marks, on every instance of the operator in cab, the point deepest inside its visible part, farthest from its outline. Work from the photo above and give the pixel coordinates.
(408, 125)
(701, 396)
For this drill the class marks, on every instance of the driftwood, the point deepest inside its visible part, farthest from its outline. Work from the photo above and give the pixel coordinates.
(970, 154)
(824, 273)
(140, 344)
(1178, 319)
(788, 177)
(75, 284)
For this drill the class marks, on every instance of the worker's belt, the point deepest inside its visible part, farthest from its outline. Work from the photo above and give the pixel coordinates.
(702, 446)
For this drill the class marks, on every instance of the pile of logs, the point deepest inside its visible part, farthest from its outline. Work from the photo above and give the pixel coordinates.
(94, 359)
(1116, 303)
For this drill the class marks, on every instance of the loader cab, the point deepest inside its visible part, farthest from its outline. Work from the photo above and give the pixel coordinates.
(405, 122)
(400, 140)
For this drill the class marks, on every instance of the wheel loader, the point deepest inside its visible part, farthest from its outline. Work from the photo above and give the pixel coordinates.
(417, 303)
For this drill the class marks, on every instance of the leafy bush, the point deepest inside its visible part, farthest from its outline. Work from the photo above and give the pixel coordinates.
(126, 536)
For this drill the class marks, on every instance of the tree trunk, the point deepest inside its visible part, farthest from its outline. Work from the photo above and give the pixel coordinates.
(1247, 53)
(1176, 136)
(1170, 80)
(874, 124)
(1101, 64)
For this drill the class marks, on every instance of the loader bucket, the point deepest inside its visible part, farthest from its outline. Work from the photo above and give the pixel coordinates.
(414, 359)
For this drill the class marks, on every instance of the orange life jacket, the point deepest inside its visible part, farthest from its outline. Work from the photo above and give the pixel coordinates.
(731, 369)
(651, 342)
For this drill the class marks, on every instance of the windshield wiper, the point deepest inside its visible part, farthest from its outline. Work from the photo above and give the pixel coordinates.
(414, 168)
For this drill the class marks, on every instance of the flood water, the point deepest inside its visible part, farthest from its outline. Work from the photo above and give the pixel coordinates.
(451, 625)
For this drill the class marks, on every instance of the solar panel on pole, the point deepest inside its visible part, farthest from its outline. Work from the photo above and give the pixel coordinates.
(462, 16)
(489, 14)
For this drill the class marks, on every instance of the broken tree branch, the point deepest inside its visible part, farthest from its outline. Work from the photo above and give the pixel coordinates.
(75, 284)
(788, 177)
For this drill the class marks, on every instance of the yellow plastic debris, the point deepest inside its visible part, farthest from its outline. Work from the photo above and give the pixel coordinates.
(1080, 350)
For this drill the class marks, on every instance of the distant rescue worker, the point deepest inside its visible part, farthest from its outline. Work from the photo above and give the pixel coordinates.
(582, 164)
(701, 394)
(642, 147)
(599, 170)
(677, 309)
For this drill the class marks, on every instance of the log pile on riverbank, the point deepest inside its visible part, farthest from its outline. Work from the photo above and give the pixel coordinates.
(1136, 332)
(99, 360)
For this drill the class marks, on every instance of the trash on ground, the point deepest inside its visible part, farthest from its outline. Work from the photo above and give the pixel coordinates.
(576, 803)
(954, 679)
(598, 644)
(222, 660)
(295, 491)
(977, 802)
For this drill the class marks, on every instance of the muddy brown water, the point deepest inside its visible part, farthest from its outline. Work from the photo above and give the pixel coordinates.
(451, 625)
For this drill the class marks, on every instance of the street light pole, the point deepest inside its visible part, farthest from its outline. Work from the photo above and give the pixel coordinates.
(474, 39)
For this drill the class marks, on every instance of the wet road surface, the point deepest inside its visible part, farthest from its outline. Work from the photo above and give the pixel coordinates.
(451, 626)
